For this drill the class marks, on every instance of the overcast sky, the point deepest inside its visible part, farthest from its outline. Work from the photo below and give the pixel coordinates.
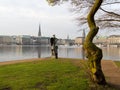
(22, 17)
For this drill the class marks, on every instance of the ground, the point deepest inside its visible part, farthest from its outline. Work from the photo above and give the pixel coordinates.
(110, 70)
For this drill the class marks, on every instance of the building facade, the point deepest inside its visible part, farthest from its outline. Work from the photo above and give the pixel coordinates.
(79, 40)
(5, 40)
(100, 41)
(113, 40)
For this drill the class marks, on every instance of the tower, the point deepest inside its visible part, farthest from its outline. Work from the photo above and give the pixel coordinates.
(83, 36)
(67, 37)
(39, 33)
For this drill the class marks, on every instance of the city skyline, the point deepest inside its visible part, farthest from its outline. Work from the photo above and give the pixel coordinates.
(24, 16)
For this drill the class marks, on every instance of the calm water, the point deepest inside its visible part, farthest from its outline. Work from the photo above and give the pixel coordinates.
(8, 53)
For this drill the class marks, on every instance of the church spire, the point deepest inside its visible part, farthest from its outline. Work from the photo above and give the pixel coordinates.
(39, 33)
(67, 36)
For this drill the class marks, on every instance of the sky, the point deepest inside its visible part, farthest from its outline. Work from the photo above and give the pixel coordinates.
(22, 17)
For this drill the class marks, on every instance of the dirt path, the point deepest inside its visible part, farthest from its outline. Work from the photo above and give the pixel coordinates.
(111, 72)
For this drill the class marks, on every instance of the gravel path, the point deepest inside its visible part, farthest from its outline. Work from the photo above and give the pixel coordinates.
(111, 72)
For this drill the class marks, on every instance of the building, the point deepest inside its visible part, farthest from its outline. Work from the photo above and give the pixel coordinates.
(39, 33)
(100, 41)
(5, 40)
(79, 40)
(26, 40)
(113, 40)
(23, 40)
(19, 40)
(43, 40)
(14, 39)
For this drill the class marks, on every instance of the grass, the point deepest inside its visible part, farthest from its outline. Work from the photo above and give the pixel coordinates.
(117, 63)
(43, 75)
(51, 74)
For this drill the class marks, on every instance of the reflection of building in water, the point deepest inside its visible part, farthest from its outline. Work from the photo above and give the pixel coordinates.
(113, 52)
(18, 50)
(39, 51)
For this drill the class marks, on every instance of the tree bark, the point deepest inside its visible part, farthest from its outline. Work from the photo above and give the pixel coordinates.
(93, 53)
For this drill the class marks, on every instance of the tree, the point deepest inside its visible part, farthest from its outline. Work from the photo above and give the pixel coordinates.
(108, 18)
(93, 53)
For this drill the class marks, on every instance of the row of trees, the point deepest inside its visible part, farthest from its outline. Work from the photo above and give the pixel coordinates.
(105, 18)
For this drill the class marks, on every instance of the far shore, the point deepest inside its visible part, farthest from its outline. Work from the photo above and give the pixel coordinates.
(25, 60)
(29, 60)
(21, 61)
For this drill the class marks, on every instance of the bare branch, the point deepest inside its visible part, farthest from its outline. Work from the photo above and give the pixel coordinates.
(100, 20)
(112, 13)
(110, 3)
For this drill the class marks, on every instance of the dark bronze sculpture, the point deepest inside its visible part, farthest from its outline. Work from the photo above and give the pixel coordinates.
(54, 47)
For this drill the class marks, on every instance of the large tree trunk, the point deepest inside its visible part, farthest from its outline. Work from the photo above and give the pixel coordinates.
(93, 53)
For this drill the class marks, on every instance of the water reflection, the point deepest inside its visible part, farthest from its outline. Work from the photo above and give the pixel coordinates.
(17, 52)
(112, 53)
(39, 51)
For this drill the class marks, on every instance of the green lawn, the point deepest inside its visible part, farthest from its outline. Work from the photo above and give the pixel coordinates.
(43, 75)
(117, 63)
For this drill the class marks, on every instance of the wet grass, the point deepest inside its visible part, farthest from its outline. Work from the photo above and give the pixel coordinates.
(43, 75)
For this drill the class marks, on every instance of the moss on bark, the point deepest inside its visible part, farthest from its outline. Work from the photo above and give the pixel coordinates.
(93, 53)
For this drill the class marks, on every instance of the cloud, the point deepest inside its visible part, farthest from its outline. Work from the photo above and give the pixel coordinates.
(24, 16)
(34, 8)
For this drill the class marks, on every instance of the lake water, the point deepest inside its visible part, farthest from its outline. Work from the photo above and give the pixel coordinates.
(16, 52)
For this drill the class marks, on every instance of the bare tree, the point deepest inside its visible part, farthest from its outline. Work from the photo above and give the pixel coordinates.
(108, 18)
(93, 53)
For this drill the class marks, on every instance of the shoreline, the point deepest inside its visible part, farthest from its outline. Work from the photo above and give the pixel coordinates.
(21, 61)
(31, 60)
